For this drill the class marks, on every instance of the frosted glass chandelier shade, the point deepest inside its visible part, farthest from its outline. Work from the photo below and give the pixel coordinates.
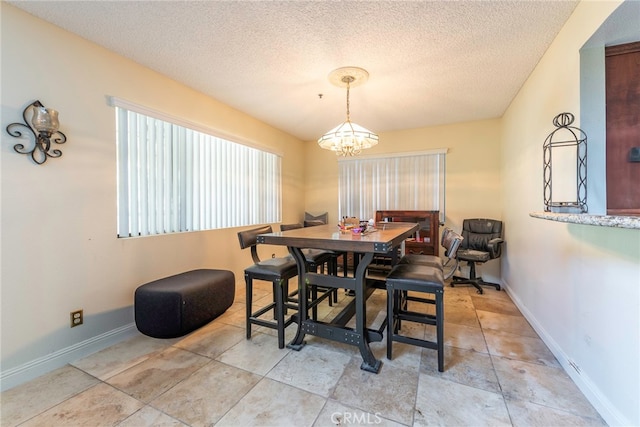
(348, 139)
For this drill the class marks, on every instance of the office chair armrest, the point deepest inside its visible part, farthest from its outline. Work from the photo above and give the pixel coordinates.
(495, 247)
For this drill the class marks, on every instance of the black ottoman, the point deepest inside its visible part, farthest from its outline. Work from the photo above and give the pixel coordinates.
(176, 305)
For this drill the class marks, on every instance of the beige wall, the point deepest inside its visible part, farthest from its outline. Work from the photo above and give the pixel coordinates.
(578, 285)
(473, 176)
(59, 247)
(473, 180)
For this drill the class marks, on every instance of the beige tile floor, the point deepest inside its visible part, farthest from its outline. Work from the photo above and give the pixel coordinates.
(498, 372)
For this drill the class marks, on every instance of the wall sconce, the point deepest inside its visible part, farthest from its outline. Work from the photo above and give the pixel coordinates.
(44, 126)
(566, 148)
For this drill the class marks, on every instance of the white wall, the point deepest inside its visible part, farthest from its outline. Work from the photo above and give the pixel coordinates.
(59, 247)
(578, 285)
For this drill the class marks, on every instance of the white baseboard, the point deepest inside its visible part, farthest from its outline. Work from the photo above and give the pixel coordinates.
(33, 369)
(600, 402)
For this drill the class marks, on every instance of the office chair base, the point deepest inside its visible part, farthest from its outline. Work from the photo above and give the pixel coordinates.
(476, 283)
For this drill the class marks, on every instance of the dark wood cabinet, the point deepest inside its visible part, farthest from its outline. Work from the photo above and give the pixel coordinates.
(623, 131)
(426, 241)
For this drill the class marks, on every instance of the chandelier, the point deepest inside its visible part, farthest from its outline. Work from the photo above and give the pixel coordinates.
(348, 139)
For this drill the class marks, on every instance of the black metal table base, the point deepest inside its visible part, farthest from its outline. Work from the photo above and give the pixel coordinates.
(359, 336)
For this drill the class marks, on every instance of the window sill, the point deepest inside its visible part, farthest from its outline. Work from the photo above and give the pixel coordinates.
(598, 220)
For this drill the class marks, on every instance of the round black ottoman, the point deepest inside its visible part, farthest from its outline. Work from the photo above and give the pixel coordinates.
(176, 305)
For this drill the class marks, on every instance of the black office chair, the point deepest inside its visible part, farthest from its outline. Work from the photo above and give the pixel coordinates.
(278, 271)
(482, 242)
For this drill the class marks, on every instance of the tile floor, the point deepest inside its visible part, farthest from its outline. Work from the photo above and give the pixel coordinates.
(498, 372)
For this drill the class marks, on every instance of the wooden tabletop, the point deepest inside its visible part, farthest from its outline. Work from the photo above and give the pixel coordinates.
(385, 237)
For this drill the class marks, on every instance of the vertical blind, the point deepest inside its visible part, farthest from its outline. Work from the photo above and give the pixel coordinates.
(173, 179)
(411, 181)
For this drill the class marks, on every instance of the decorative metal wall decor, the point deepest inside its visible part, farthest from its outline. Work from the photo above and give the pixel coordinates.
(568, 145)
(44, 128)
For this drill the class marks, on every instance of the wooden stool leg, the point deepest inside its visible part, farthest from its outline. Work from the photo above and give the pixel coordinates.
(440, 329)
(401, 305)
(390, 319)
(285, 294)
(249, 302)
(279, 308)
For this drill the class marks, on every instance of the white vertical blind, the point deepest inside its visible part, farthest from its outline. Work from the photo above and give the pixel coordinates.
(174, 179)
(411, 181)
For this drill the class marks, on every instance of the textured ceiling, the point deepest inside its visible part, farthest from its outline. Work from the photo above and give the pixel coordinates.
(430, 62)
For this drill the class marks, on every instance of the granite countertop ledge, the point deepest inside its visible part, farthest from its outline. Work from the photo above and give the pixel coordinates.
(598, 220)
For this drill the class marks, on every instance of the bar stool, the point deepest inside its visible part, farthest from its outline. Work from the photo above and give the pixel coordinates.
(317, 258)
(451, 241)
(422, 279)
(419, 259)
(278, 271)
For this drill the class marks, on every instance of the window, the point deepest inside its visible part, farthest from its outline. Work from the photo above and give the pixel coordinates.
(174, 178)
(408, 181)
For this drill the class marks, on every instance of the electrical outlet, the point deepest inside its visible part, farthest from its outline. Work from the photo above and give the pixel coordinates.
(77, 318)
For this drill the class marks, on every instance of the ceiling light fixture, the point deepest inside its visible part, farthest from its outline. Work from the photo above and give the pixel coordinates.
(348, 139)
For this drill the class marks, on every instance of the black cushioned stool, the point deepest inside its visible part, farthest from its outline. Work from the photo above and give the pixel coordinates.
(176, 305)
(419, 259)
(416, 278)
(451, 241)
(317, 258)
(278, 271)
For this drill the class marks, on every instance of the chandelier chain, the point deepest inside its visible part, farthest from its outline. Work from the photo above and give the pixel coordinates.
(348, 115)
(348, 80)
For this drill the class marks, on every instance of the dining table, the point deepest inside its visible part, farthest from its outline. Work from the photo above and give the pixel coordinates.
(385, 239)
